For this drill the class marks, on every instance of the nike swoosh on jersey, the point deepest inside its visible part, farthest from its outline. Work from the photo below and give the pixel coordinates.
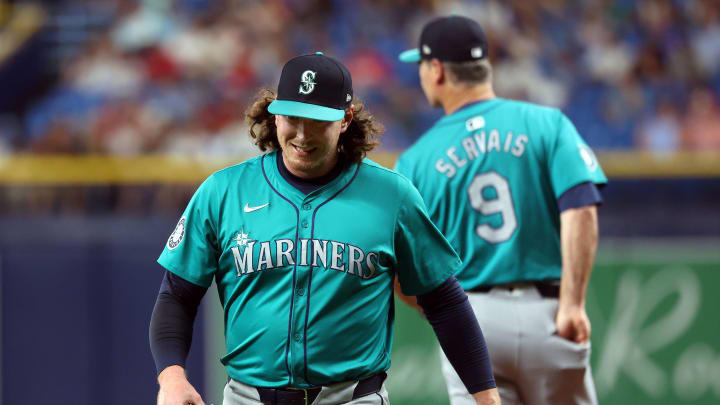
(248, 208)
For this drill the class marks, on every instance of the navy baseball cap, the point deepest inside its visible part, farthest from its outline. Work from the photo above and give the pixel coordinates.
(313, 86)
(449, 39)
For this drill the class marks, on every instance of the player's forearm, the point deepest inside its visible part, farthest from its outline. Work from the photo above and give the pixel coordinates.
(487, 397)
(171, 373)
(579, 237)
(449, 312)
(171, 323)
(171, 330)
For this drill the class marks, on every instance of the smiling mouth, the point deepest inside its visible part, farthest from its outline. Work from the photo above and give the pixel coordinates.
(303, 150)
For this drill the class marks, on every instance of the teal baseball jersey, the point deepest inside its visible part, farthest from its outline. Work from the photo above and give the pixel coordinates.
(491, 174)
(306, 281)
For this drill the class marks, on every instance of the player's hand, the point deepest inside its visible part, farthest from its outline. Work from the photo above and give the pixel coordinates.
(487, 397)
(573, 323)
(175, 389)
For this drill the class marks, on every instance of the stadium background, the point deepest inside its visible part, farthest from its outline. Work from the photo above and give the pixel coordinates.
(112, 112)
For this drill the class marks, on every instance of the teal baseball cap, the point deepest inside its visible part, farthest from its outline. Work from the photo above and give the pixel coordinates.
(449, 39)
(313, 86)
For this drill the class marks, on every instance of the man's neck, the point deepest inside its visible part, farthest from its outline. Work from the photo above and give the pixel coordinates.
(455, 97)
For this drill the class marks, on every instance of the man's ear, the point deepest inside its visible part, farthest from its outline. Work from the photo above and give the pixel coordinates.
(438, 71)
(347, 119)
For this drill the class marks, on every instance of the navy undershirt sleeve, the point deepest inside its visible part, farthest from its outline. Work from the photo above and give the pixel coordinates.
(449, 312)
(581, 195)
(171, 324)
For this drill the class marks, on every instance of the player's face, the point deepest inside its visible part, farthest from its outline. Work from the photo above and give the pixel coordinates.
(309, 147)
(427, 80)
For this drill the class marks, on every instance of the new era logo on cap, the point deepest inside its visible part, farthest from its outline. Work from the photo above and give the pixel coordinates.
(449, 39)
(313, 86)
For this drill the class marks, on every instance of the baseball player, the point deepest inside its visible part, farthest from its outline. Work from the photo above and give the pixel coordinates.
(304, 243)
(514, 189)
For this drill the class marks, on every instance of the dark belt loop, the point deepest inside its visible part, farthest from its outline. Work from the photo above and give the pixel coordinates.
(369, 385)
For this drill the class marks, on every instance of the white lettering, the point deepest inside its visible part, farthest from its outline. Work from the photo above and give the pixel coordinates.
(445, 168)
(520, 142)
(451, 154)
(469, 147)
(629, 343)
(336, 253)
(243, 263)
(303, 252)
(319, 252)
(508, 140)
(285, 252)
(494, 141)
(696, 371)
(369, 263)
(480, 141)
(265, 257)
(355, 260)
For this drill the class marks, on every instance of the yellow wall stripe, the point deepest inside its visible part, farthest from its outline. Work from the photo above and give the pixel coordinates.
(89, 170)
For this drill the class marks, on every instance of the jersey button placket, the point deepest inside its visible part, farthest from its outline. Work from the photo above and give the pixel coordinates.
(300, 294)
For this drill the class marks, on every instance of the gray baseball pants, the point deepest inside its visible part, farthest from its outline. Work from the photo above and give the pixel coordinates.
(532, 364)
(237, 393)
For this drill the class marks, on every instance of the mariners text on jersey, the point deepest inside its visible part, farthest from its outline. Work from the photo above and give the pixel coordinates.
(477, 144)
(251, 256)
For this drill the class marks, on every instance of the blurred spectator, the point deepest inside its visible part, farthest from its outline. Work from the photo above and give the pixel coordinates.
(660, 132)
(701, 128)
(706, 35)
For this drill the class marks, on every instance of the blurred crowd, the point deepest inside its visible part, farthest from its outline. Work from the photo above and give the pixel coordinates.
(174, 76)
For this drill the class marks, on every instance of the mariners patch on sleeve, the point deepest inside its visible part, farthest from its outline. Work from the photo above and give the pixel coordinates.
(588, 157)
(177, 236)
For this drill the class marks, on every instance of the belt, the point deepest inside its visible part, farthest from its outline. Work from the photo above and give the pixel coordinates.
(306, 396)
(546, 290)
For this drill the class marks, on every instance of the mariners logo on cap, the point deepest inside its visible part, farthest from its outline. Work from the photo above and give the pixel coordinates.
(307, 82)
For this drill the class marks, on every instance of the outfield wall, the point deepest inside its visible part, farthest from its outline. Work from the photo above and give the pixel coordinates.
(656, 333)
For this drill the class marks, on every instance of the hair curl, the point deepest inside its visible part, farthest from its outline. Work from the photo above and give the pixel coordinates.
(359, 138)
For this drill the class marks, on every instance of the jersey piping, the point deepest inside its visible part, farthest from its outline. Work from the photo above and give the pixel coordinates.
(312, 251)
(292, 298)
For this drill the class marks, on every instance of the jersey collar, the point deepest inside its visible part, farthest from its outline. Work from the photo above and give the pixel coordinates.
(283, 187)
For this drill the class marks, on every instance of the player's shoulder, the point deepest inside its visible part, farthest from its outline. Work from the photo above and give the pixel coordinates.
(247, 170)
(233, 170)
(383, 177)
(427, 144)
(529, 109)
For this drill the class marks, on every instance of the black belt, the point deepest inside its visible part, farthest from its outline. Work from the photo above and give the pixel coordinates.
(546, 290)
(305, 396)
